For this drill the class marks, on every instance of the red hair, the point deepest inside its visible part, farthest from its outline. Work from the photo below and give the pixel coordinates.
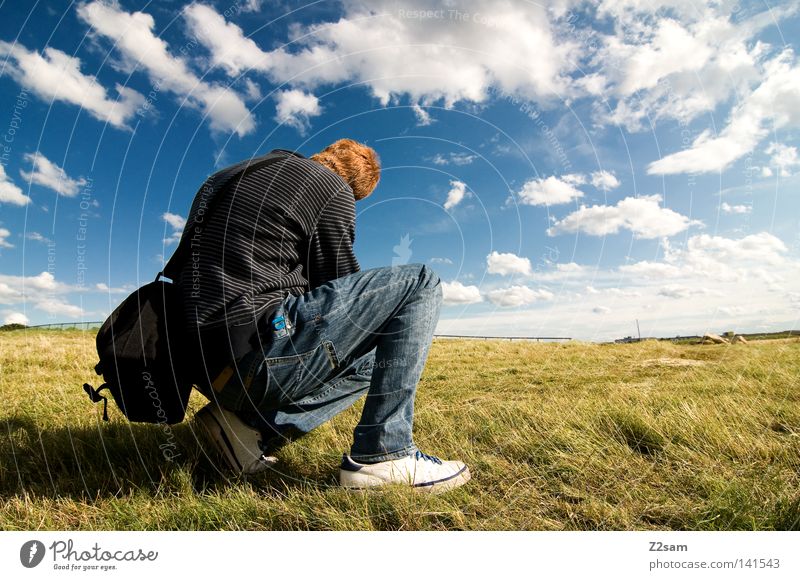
(356, 163)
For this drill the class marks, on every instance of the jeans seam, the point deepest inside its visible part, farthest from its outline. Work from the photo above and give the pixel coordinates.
(362, 297)
(331, 386)
(290, 359)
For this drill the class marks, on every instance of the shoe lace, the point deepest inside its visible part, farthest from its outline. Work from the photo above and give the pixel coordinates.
(424, 456)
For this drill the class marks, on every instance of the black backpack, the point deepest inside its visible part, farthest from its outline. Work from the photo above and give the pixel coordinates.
(144, 347)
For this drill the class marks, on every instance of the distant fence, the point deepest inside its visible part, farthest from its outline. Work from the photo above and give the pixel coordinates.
(68, 326)
(536, 338)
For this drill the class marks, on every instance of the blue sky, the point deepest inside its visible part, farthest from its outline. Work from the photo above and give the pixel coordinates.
(566, 169)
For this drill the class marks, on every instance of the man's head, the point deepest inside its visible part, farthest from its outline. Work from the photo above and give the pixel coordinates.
(356, 163)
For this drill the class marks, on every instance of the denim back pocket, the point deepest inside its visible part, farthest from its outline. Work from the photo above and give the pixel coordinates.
(297, 358)
(283, 374)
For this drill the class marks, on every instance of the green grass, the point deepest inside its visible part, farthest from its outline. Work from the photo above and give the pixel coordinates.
(582, 436)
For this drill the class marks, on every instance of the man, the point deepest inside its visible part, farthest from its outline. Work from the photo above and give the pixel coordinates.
(289, 330)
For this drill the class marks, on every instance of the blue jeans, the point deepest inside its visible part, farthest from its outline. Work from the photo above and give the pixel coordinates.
(366, 333)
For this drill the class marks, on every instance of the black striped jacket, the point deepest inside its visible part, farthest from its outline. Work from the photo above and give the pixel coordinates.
(285, 228)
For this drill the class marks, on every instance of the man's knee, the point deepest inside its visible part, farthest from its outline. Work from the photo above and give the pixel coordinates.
(427, 278)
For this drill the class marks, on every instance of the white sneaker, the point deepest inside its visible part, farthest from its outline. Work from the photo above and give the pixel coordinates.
(238, 443)
(421, 471)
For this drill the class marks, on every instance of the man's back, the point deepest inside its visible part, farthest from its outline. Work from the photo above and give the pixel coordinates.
(285, 228)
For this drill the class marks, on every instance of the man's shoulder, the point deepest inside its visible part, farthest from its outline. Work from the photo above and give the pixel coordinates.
(312, 170)
(302, 175)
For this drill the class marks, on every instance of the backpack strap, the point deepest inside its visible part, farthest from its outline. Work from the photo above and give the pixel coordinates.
(96, 397)
(182, 251)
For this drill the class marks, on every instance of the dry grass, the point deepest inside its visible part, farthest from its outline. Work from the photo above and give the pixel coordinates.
(558, 436)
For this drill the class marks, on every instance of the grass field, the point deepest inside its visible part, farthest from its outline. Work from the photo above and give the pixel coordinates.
(558, 437)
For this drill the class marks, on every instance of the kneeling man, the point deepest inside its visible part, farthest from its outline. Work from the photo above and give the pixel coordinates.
(290, 332)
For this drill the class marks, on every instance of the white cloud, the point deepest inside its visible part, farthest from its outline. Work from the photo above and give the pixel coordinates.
(251, 6)
(574, 178)
(4, 234)
(37, 237)
(9, 295)
(674, 65)
(770, 277)
(133, 35)
(454, 159)
(441, 261)
(456, 293)
(716, 258)
(731, 310)
(570, 267)
(295, 108)
(678, 291)
(695, 290)
(709, 153)
(229, 48)
(728, 208)
(653, 270)
(622, 292)
(16, 318)
(44, 281)
(645, 65)
(47, 174)
(383, 46)
(102, 287)
(462, 158)
(507, 263)
(423, 117)
(643, 216)
(252, 90)
(517, 296)
(669, 48)
(59, 307)
(177, 223)
(784, 158)
(458, 191)
(55, 75)
(601, 310)
(551, 190)
(774, 104)
(43, 292)
(9, 192)
(604, 180)
(561, 272)
(761, 248)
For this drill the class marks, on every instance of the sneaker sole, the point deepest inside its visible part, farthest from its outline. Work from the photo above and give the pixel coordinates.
(452, 482)
(350, 481)
(216, 434)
